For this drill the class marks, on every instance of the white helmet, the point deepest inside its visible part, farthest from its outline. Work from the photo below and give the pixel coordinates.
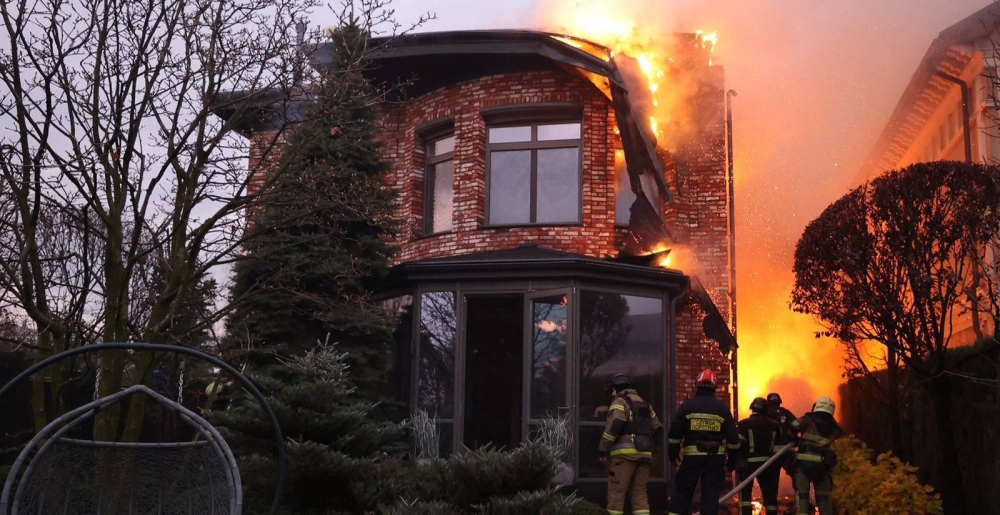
(825, 405)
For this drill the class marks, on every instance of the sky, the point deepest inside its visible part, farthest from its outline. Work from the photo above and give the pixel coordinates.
(816, 82)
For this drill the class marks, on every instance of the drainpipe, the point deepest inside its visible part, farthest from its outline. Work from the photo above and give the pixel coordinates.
(672, 351)
(732, 248)
(976, 327)
(965, 110)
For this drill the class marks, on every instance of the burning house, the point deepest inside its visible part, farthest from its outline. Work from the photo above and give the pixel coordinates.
(949, 112)
(550, 241)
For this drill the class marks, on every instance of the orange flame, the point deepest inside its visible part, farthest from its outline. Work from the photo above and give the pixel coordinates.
(610, 26)
(793, 363)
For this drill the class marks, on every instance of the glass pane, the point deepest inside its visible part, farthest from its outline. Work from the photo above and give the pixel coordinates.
(442, 177)
(443, 146)
(559, 131)
(510, 187)
(509, 134)
(438, 320)
(548, 355)
(624, 196)
(619, 334)
(558, 185)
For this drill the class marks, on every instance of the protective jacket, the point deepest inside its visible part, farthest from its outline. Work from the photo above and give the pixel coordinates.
(784, 418)
(758, 435)
(701, 425)
(817, 431)
(632, 428)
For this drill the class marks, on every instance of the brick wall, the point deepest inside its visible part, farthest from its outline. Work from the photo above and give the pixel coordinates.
(597, 236)
(698, 218)
(701, 223)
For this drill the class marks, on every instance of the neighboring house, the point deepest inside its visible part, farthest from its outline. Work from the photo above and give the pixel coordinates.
(949, 112)
(534, 204)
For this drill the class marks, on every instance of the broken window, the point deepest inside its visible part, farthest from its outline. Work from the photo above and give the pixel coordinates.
(439, 192)
(625, 197)
(534, 174)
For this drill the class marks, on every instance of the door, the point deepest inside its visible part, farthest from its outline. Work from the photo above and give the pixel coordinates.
(494, 343)
(547, 354)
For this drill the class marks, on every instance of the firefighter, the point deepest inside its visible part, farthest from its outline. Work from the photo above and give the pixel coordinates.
(814, 458)
(784, 418)
(699, 428)
(626, 446)
(758, 434)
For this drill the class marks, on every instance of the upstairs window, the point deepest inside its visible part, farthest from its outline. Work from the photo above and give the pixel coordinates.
(439, 184)
(534, 174)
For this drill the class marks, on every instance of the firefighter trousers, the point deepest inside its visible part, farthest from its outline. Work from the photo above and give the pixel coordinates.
(768, 482)
(711, 472)
(821, 481)
(628, 478)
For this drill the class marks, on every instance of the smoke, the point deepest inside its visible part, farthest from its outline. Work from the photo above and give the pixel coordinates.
(816, 83)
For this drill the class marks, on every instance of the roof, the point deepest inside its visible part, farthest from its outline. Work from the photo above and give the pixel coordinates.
(948, 53)
(533, 262)
(433, 59)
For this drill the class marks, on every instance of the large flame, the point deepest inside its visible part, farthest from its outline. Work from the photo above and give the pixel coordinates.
(607, 24)
(778, 349)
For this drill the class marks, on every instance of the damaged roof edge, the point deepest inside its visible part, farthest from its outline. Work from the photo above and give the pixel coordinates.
(976, 26)
(640, 151)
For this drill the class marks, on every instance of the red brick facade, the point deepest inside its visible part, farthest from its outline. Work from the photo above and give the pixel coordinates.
(595, 237)
(697, 218)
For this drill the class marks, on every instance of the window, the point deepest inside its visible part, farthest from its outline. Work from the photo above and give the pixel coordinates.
(436, 361)
(618, 334)
(439, 186)
(534, 174)
(625, 197)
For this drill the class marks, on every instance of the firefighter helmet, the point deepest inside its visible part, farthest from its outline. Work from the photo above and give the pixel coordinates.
(759, 405)
(824, 405)
(618, 382)
(774, 398)
(707, 379)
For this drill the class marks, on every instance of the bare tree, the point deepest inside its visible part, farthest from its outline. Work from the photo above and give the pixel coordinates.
(113, 159)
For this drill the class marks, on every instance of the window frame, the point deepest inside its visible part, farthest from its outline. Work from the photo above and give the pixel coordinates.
(429, 139)
(534, 120)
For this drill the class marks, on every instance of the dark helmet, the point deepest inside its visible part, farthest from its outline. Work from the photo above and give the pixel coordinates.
(758, 405)
(618, 382)
(774, 398)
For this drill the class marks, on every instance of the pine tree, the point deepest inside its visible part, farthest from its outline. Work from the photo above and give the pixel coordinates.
(335, 447)
(322, 239)
(323, 235)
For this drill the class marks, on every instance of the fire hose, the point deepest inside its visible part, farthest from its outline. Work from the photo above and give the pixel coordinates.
(751, 477)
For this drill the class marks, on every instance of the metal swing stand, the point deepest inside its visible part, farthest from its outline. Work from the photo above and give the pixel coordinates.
(54, 473)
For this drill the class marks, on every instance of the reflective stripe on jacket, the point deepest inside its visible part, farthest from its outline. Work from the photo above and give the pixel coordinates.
(617, 442)
(758, 436)
(817, 431)
(702, 424)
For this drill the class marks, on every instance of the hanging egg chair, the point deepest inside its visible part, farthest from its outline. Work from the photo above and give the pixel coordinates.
(56, 474)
